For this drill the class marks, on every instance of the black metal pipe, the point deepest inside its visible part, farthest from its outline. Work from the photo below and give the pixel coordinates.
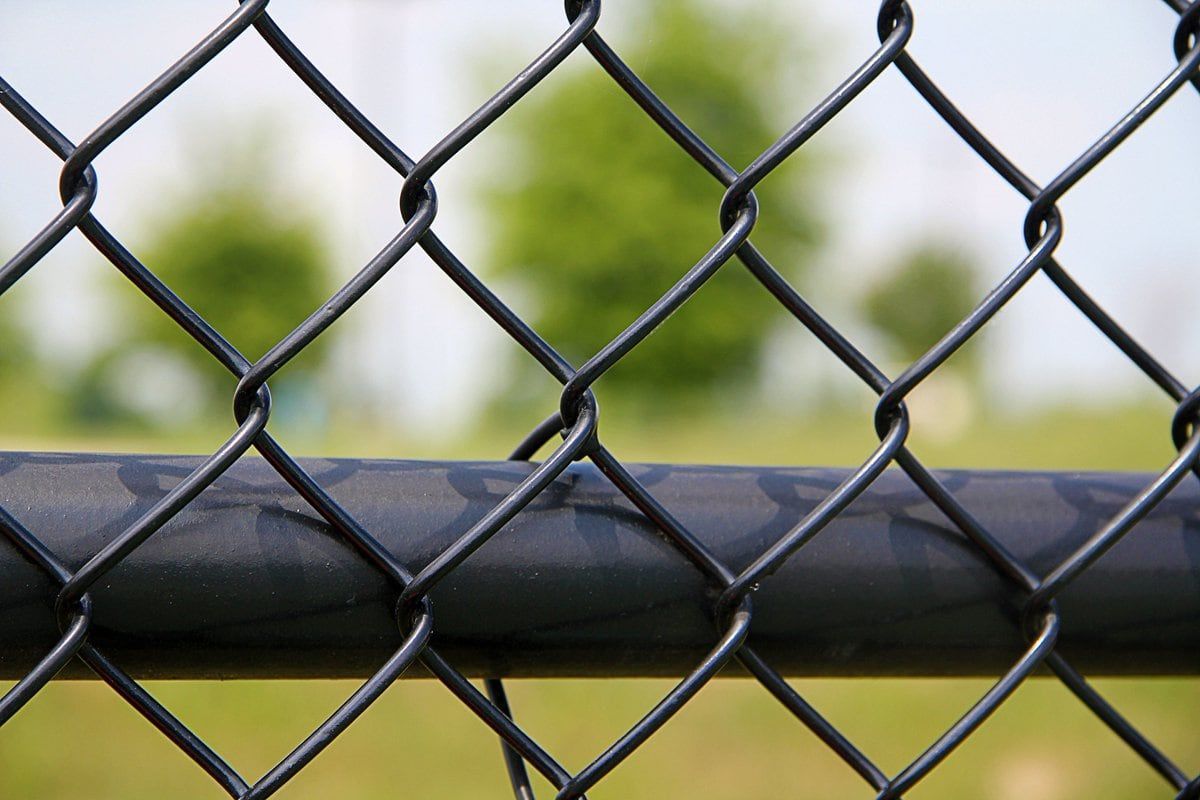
(248, 582)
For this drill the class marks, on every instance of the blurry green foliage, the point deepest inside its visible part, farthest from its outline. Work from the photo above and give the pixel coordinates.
(15, 354)
(603, 212)
(926, 294)
(30, 383)
(251, 269)
(246, 258)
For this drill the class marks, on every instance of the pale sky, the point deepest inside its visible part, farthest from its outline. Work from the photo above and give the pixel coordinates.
(1042, 79)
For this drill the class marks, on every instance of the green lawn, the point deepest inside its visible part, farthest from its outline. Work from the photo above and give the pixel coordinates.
(79, 740)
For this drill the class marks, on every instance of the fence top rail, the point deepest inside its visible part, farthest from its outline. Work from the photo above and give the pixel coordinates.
(581, 584)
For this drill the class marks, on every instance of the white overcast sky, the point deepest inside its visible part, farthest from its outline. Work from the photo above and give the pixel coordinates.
(1042, 79)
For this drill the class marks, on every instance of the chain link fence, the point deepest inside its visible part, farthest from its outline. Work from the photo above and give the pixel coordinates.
(577, 418)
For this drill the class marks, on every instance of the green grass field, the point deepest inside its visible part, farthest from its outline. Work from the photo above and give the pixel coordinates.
(78, 739)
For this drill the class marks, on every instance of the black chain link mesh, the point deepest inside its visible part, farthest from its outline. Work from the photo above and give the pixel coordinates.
(577, 418)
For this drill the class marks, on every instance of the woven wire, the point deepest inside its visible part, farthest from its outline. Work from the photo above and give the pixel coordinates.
(576, 419)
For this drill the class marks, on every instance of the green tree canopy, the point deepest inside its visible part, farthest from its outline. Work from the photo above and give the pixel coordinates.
(603, 212)
(928, 291)
(249, 263)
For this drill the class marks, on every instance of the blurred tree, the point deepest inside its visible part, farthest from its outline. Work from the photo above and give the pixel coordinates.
(15, 355)
(603, 213)
(27, 387)
(929, 290)
(244, 258)
(251, 270)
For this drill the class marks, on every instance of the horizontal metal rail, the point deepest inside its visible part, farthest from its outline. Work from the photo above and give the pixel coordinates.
(247, 582)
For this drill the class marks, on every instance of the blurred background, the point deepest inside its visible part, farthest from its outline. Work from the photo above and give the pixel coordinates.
(249, 199)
